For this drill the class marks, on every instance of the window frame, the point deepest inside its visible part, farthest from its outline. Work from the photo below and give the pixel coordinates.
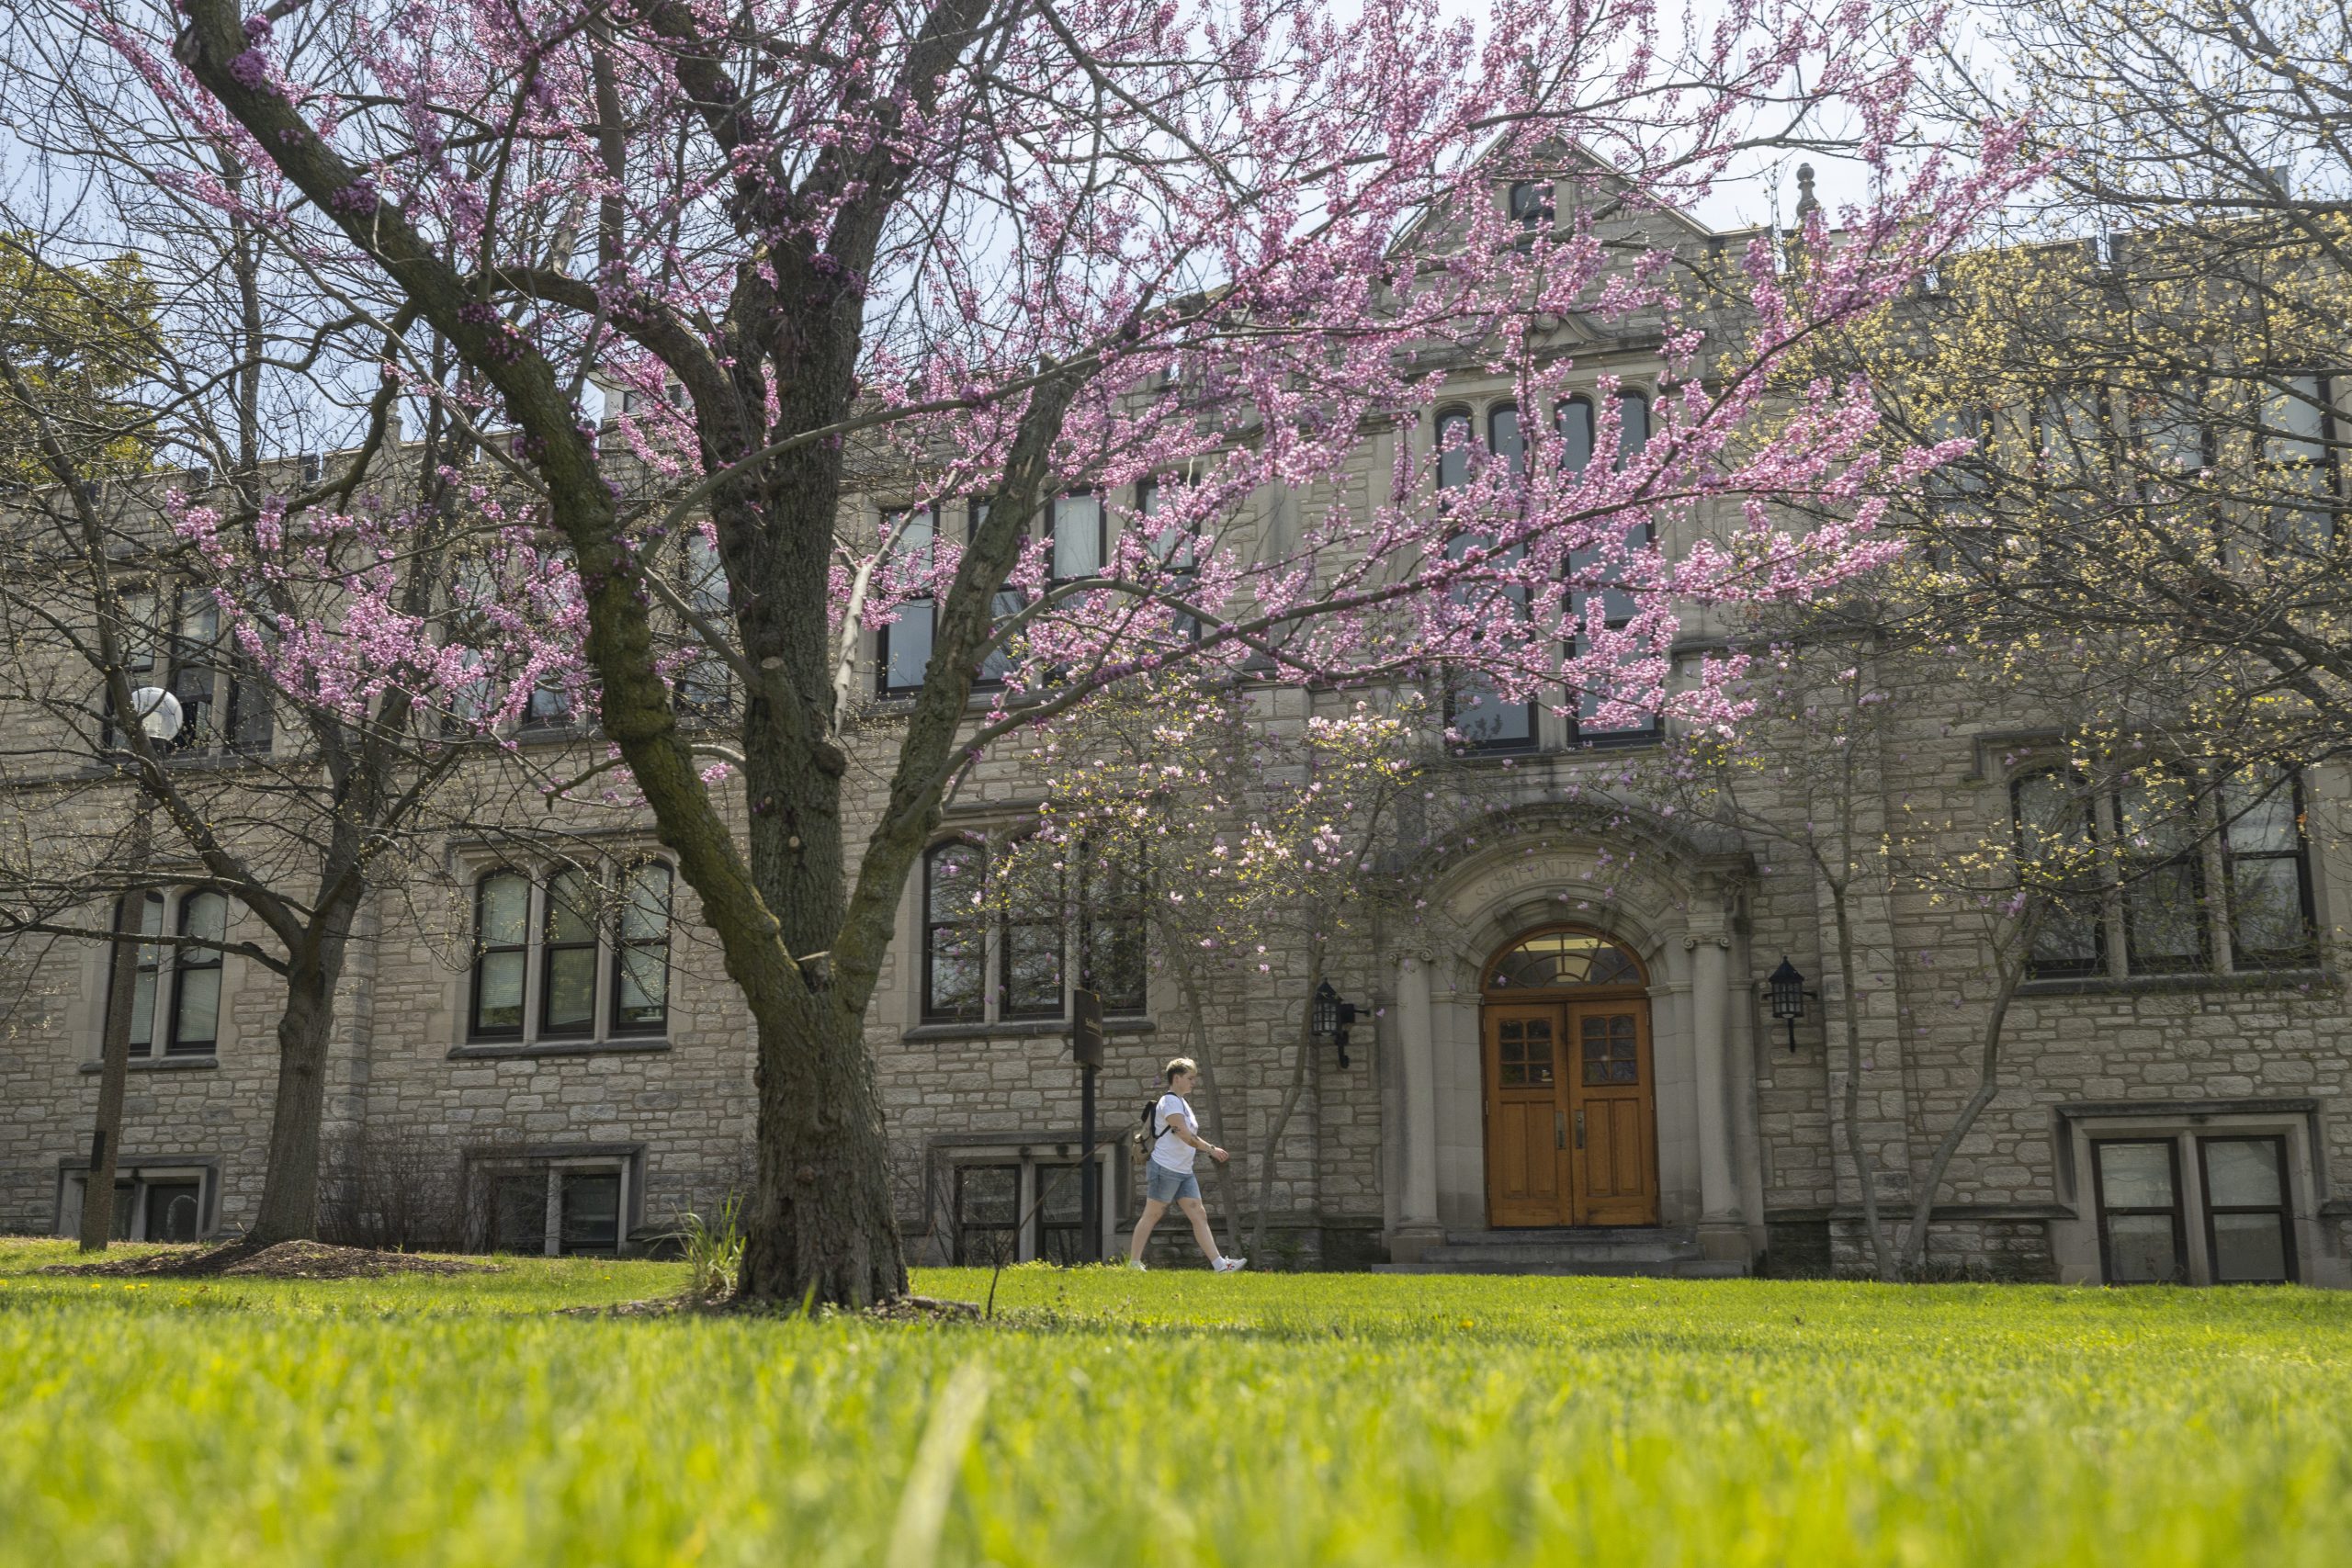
(928, 1007)
(2306, 908)
(603, 1026)
(1473, 454)
(883, 684)
(147, 969)
(2325, 467)
(2097, 963)
(2183, 1264)
(2284, 1209)
(475, 1028)
(1127, 909)
(1056, 923)
(623, 943)
(187, 960)
(2141, 882)
(547, 947)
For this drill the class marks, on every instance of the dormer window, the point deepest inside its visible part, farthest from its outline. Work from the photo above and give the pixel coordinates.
(1528, 203)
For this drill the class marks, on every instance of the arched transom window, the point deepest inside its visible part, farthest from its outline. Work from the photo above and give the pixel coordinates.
(1563, 960)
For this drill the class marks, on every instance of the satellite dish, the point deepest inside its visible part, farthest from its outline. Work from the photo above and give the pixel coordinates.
(158, 712)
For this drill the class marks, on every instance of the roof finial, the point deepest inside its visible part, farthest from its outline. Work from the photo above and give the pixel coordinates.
(1805, 202)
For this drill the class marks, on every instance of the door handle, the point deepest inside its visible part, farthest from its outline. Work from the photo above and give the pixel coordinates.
(1579, 1126)
(1560, 1131)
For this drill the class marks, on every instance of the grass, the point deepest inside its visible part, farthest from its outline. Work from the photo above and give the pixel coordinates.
(1173, 1417)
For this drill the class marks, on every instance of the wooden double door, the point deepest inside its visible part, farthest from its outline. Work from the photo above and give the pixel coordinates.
(1571, 1113)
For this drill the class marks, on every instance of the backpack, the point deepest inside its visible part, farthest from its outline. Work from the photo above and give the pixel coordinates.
(1147, 1135)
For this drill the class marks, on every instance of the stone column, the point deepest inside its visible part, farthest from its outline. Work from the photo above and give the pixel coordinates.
(1722, 1230)
(1417, 1224)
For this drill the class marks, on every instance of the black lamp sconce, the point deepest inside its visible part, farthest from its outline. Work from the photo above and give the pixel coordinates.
(1333, 1018)
(1785, 988)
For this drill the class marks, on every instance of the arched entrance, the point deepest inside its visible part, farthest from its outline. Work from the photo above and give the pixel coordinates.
(1571, 1092)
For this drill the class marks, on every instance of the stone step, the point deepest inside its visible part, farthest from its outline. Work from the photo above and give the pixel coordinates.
(1658, 1251)
(1674, 1268)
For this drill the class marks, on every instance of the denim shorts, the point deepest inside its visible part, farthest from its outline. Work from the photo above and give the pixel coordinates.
(1162, 1185)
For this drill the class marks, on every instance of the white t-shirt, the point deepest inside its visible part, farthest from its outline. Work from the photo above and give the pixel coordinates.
(1168, 1149)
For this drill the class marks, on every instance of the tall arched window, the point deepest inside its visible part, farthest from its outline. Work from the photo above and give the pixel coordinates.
(2055, 846)
(641, 952)
(1633, 426)
(1576, 433)
(568, 962)
(501, 952)
(145, 975)
(955, 941)
(196, 979)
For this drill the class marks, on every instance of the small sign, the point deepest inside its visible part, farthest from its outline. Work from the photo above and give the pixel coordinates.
(1086, 1027)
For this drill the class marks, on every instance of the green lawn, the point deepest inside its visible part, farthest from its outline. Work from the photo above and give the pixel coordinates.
(1170, 1418)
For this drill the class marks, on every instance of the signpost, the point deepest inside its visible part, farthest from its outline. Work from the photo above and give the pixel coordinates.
(1085, 1049)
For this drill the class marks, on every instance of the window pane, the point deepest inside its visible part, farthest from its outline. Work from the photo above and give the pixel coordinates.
(2135, 1175)
(571, 908)
(499, 1001)
(2249, 1249)
(172, 1210)
(1481, 717)
(955, 973)
(988, 1211)
(592, 1211)
(205, 916)
(1034, 969)
(518, 1210)
(1453, 443)
(2167, 922)
(1077, 536)
(1575, 435)
(505, 911)
(909, 644)
(955, 873)
(1503, 436)
(2141, 1251)
(2242, 1173)
(2294, 421)
(142, 1012)
(2260, 812)
(645, 913)
(643, 976)
(2266, 909)
(571, 987)
(1633, 424)
(197, 1008)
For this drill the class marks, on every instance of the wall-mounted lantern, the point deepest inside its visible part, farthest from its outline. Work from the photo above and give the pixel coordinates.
(1333, 1018)
(1785, 989)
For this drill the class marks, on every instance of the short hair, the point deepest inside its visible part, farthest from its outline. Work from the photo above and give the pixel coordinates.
(1180, 1065)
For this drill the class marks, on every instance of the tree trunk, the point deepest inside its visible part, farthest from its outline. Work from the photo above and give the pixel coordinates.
(2011, 970)
(1882, 1255)
(820, 1228)
(289, 1188)
(114, 1074)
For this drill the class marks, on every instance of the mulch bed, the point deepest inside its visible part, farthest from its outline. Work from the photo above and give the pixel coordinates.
(287, 1261)
(906, 1309)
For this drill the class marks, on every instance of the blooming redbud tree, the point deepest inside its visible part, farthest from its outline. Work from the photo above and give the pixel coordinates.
(1020, 253)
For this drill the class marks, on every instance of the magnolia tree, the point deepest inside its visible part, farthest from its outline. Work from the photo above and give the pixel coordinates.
(1248, 835)
(1017, 253)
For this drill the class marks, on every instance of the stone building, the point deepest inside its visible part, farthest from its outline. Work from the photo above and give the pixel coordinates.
(1574, 1066)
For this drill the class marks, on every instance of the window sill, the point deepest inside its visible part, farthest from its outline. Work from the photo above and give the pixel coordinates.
(161, 1064)
(2134, 985)
(1020, 1029)
(625, 1046)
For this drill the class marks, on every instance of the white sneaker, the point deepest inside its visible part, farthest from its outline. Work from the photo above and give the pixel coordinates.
(1231, 1265)
(1135, 1264)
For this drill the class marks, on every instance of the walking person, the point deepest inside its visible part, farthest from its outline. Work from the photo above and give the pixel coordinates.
(1168, 1174)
